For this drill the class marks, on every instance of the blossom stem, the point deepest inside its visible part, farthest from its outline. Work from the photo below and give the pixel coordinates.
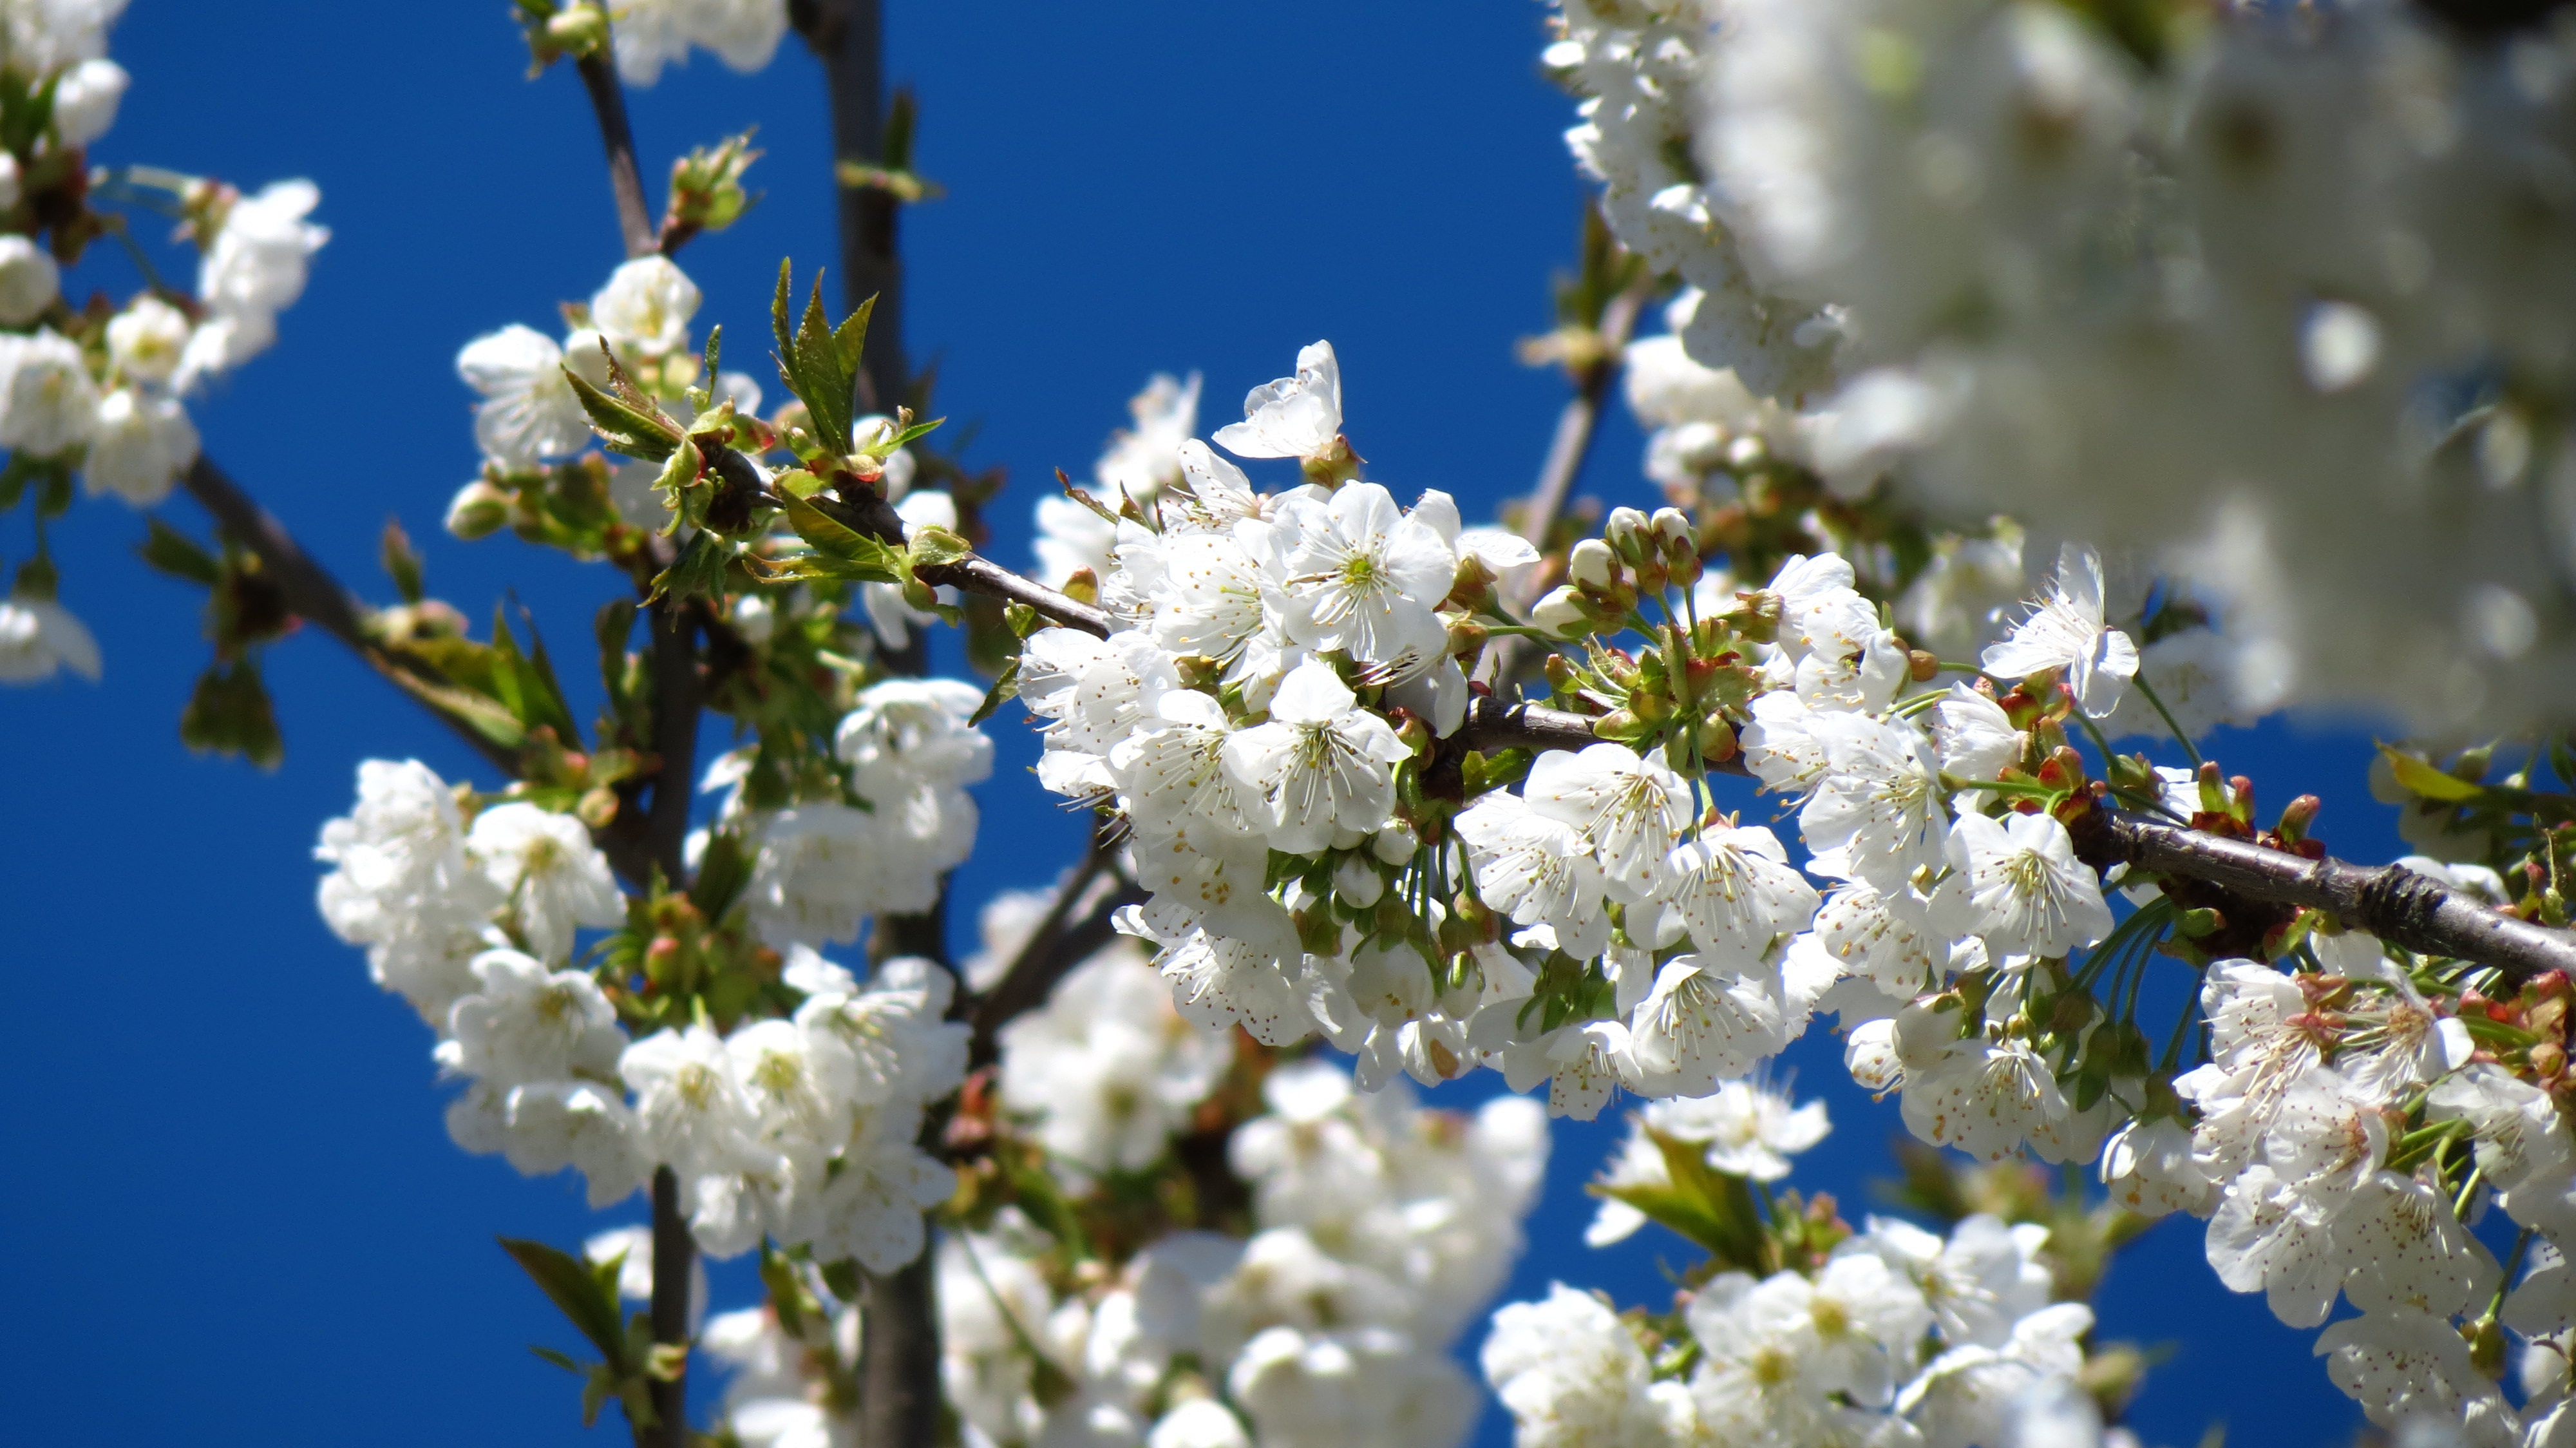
(2190, 750)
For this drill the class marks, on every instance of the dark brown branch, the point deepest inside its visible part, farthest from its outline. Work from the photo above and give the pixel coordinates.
(2390, 901)
(1495, 724)
(677, 698)
(672, 1251)
(625, 179)
(676, 701)
(849, 36)
(1060, 942)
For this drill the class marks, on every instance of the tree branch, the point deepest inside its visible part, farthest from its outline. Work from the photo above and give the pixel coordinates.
(672, 1251)
(2390, 901)
(849, 36)
(1576, 426)
(1058, 944)
(625, 178)
(677, 698)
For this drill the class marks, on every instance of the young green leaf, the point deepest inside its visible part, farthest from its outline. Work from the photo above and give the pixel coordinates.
(934, 546)
(625, 419)
(1005, 687)
(174, 553)
(578, 1292)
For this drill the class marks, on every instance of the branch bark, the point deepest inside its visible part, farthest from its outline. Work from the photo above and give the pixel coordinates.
(625, 179)
(673, 1250)
(1060, 942)
(2390, 901)
(849, 36)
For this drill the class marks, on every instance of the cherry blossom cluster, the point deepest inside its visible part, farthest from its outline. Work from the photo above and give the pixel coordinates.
(2176, 284)
(795, 1117)
(95, 388)
(1377, 1230)
(1819, 1334)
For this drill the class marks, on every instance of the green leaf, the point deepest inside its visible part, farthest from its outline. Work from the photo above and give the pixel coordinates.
(479, 712)
(934, 546)
(697, 573)
(721, 875)
(625, 419)
(829, 398)
(402, 562)
(172, 552)
(917, 430)
(229, 713)
(2421, 779)
(561, 1360)
(1005, 687)
(1709, 1207)
(833, 539)
(578, 1292)
(850, 339)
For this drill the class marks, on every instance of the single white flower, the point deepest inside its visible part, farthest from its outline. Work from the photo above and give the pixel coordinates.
(528, 1022)
(2023, 888)
(646, 306)
(141, 444)
(257, 264)
(1737, 894)
(1628, 806)
(1879, 803)
(1365, 578)
(1750, 1129)
(29, 280)
(39, 637)
(2065, 632)
(146, 339)
(48, 404)
(1321, 762)
(1294, 417)
(555, 878)
(528, 410)
(85, 100)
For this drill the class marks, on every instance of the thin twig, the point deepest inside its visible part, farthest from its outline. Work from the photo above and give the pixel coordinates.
(625, 178)
(1567, 450)
(1060, 942)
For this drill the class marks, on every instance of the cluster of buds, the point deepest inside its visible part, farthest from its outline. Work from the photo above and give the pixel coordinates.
(692, 957)
(1635, 558)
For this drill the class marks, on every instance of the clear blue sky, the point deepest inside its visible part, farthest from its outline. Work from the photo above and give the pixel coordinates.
(231, 1208)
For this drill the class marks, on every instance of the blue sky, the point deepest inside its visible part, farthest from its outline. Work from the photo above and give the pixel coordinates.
(232, 1204)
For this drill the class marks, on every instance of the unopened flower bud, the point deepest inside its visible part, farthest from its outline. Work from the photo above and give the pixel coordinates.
(478, 510)
(1716, 739)
(1560, 673)
(579, 29)
(1672, 526)
(2298, 816)
(1357, 883)
(1415, 734)
(1627, 532)
(1395, 844)
(1593, 568)
(1561, 613)
(1921, 665)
